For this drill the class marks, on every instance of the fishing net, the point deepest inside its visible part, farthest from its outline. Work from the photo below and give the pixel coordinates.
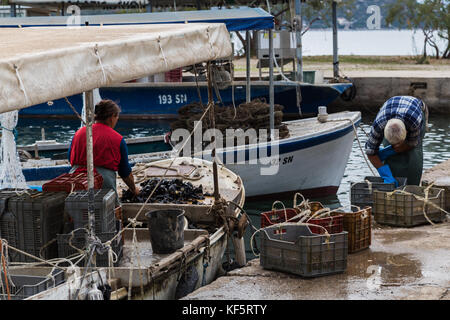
(11, 175)
(248, 115)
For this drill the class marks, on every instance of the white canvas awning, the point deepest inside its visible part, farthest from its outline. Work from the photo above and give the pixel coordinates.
(42, 64)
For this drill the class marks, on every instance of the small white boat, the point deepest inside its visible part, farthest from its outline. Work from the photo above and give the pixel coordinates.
(311, 160)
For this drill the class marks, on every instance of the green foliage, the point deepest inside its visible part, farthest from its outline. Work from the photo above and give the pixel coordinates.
(313, 10)
(428, 15)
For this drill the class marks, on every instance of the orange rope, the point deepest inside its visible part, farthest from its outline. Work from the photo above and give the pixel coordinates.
(4, 270)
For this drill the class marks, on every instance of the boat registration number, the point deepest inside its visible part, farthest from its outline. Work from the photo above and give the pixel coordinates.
(169, 98)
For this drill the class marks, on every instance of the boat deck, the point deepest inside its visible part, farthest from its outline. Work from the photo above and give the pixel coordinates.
(311, 126)
(140, 253)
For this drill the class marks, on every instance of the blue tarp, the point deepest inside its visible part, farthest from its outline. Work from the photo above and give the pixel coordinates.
(235, 19)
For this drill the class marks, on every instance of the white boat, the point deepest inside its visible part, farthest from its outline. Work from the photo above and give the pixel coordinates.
(311, 160)
(30, 66)
(159, 274)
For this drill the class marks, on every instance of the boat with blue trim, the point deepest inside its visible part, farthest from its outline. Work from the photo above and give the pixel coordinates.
(144, 99)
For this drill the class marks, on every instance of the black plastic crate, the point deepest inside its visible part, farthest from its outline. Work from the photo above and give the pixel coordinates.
(361, 193)
(22, 285)
(8, 221)
(76, 205)
(39, 218)
(66, 242)
(295, 249)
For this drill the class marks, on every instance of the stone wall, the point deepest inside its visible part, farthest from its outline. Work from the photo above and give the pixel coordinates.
(372, 92)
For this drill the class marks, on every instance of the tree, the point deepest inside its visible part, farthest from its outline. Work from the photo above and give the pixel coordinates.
(430, 16)
(320, 10)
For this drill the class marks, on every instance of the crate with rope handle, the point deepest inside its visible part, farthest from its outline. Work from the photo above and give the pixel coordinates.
(293, 248)
(361, 193)
(409, 206)
(359, 227)
(312, 212)
(441, 183)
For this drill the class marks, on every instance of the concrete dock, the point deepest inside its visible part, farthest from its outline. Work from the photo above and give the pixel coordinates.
(401, 264)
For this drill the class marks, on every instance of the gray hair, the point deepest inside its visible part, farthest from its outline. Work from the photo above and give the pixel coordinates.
(395, 131)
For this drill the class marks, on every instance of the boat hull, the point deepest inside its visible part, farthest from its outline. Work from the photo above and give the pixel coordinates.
(313, 165)
(307, 170)
(162, 100)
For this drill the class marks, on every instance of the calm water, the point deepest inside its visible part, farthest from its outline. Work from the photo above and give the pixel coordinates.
(436, 150)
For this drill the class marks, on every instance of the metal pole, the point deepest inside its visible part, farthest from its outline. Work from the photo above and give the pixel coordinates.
(247, 37)
(298, 35)
(89, 103)
(213, 126)
(13, 11)
(271, 85)
(335, 44)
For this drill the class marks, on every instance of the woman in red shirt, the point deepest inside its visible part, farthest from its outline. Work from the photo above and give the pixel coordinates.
(110, 148)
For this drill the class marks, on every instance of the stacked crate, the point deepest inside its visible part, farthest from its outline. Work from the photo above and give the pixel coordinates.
(31, 222)
(76, 206)
(69, 182)
(106, 224)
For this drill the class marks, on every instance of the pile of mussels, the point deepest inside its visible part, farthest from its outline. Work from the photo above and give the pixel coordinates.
(169, 191)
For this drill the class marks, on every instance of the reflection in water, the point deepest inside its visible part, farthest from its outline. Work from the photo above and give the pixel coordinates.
(62, 130)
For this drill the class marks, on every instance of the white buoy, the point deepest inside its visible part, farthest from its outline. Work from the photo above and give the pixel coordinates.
(323, 115)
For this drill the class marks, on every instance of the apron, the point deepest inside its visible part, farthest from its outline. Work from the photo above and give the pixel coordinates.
(408, 164)
(109, 179)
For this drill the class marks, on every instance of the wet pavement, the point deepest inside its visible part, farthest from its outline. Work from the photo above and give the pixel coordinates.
(401, 264)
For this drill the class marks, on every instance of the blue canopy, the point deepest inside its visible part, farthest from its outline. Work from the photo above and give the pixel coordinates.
(234, 19)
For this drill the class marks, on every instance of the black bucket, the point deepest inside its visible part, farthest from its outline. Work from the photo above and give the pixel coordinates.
(166, 229)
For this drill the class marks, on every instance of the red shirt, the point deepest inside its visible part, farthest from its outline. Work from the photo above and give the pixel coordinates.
(106, 145)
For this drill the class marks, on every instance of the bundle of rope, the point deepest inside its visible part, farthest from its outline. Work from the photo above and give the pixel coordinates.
(249, 115)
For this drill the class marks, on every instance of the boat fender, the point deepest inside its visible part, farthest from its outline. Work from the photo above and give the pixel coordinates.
(349, 94)
(187, 283)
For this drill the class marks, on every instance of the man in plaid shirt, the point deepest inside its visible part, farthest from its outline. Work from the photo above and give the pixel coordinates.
(400, 125)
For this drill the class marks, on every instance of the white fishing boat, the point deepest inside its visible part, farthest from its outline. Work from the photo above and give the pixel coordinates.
(146, 275)
(43, 64)
(311, 160)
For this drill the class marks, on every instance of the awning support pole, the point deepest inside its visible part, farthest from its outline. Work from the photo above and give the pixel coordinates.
(247, 37)
(213, 126)
(89, 103)
(271, 85)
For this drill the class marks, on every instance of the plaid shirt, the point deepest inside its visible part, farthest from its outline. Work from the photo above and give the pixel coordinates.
(406, 108)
